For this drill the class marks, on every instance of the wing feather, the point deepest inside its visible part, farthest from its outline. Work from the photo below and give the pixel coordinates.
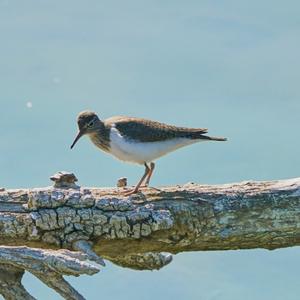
(152, 131)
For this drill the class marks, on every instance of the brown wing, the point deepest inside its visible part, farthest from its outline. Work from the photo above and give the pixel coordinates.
(151, 131)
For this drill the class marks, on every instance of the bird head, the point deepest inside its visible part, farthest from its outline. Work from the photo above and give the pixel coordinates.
(88, 122)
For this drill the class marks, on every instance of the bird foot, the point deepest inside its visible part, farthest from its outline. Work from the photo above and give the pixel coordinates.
(150, 188)
(144, 186)
(135, 191)
(130, 192)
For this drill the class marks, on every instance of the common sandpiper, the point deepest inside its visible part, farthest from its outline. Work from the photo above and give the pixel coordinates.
(137, 140)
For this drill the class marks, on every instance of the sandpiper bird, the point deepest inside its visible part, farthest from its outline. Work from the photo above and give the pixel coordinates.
(137, 140)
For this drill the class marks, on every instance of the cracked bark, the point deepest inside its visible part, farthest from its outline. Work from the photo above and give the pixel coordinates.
(134, 231)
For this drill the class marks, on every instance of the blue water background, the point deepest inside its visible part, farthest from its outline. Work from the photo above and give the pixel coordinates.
(231, 66)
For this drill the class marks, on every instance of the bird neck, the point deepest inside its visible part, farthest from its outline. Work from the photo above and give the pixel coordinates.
(100, 137)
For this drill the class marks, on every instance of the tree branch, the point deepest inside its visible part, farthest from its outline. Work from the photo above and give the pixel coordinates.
(133, 231)
(47, 265)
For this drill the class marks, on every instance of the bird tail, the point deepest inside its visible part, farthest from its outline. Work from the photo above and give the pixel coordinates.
(212, 138)
(199, 134)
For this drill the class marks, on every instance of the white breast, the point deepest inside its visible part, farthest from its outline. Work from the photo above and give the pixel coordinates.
(141, 152)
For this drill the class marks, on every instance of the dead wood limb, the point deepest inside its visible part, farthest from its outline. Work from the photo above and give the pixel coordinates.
(134, 231)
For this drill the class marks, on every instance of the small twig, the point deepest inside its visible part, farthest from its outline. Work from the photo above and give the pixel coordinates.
(86, 248)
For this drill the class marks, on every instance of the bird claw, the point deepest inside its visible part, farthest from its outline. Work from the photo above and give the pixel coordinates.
(144, 186)
(130, 192)
(150, 188)
(135, 191)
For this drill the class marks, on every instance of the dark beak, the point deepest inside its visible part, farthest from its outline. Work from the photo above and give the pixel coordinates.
(79, 135)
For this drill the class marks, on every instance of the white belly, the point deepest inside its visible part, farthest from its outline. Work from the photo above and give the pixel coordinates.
(141, 152)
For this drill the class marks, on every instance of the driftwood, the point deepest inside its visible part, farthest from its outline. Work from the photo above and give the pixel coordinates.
(68, 230)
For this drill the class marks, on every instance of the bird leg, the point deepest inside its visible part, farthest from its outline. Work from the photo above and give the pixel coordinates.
(136, 189)
(152, 166)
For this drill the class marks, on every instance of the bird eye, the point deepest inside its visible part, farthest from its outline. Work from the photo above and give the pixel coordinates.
(91, 124)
